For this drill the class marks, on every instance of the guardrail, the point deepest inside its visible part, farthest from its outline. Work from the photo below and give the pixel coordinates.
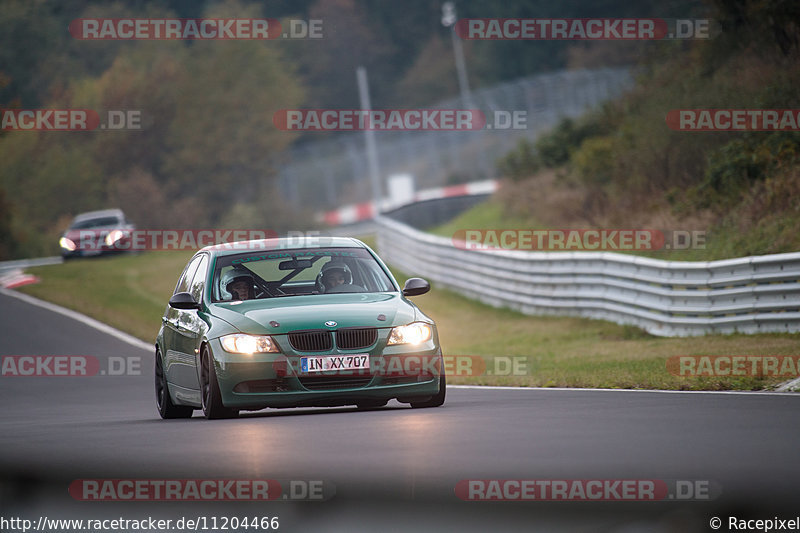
(667, 298)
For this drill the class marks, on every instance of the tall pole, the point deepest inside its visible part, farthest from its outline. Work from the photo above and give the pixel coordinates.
(448, 21)
(369, 136)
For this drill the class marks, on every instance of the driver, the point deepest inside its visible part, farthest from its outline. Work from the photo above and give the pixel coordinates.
(239, 283)
(334, 274)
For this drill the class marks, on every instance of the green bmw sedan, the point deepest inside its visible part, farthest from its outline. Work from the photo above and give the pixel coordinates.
(294, 322)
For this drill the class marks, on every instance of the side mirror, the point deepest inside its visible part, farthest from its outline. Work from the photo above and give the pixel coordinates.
(183, 300)
(415, 287)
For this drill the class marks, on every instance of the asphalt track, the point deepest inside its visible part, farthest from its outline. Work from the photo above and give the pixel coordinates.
(394, 468)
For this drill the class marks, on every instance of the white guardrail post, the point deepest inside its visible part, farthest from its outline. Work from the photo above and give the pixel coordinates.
(667, 298)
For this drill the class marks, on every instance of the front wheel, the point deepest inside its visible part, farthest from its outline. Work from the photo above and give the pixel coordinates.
(211, 395)
(166, 408)
(437, 400)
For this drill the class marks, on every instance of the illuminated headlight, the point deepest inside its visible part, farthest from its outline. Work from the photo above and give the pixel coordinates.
(248, 344)
(113, 236)
(67, 244)
(415, 333)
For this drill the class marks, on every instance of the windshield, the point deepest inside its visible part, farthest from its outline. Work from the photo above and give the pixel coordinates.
(298, 272)
(95, 223)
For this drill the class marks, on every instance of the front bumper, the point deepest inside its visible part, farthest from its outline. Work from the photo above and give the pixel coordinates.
(257, 381)
(94, 252)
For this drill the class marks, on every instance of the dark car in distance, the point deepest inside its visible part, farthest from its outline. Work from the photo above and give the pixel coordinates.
(96, 233)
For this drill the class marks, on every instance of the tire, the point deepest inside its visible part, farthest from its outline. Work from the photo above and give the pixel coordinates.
(437, 400)
(164, 404)
(209, 389)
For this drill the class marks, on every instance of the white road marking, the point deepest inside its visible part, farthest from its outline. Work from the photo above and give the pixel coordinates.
(91, 322)
(745, 393)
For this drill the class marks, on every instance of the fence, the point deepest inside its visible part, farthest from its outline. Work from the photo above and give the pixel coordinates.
(329, 173)
(667, 298)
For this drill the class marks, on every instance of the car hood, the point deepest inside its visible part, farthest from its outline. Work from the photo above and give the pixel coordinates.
(311, 312)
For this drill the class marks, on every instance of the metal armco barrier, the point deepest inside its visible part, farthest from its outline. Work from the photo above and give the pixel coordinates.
(667, 298)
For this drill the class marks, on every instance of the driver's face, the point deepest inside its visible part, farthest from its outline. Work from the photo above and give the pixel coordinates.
(240, 290)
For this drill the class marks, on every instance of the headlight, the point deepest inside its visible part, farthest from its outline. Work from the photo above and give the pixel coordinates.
(67, 244)
(248, 344)
(415, 333)
(113, 236)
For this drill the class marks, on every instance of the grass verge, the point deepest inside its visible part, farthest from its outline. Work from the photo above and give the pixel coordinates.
(127, 292)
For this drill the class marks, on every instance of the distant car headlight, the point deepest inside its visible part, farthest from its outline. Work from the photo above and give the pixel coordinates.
(415, 333)
(248, 344)
(113, 236)
(67, 244)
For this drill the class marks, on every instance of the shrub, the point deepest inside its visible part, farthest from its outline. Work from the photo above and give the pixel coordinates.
(593, 162)
(555, 148)
(741, 162)
(520, 162)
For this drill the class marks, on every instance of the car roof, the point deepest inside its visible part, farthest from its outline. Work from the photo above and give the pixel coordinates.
(100, 214)
(283, 243)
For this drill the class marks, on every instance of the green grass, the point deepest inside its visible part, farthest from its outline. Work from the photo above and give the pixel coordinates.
(127, 292)
(490, 214)
(130, 293)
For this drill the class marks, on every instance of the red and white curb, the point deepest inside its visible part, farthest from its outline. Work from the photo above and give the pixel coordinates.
(16, 278)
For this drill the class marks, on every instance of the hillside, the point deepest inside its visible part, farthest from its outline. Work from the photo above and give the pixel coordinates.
(623, 167)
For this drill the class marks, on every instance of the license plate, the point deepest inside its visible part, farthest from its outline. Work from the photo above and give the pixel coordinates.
(328, 363)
